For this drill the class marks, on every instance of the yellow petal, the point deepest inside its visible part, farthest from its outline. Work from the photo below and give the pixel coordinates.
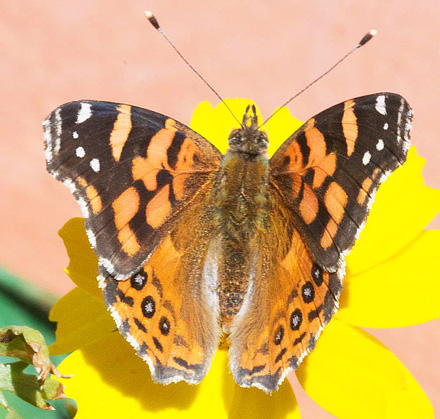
(81, 319)
(402, 291)
(280, 127)
(352, 375)
(215, 124)
(83, 264)
(110, 380)
(402, 209)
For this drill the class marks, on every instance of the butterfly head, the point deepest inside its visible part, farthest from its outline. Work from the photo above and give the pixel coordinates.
(249, 139)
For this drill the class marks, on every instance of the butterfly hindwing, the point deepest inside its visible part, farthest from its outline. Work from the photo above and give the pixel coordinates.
(167, 309)
(328, 171)
(132, 171)
(291, 300)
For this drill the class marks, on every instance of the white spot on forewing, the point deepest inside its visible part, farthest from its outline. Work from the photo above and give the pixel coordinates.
(380, 105)
(80, 152)
(95, 165)
(385, 126)
(366, 158)
(84, 113)
(380, 145)
(75, 135)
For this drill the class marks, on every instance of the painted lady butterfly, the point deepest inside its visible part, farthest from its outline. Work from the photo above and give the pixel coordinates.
(193, 244)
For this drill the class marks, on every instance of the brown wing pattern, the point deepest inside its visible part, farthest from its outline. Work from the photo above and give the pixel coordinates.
(132, 171)
(328, 171)
(291, 300)
(144, 182)
(167, 309)
(322, 183)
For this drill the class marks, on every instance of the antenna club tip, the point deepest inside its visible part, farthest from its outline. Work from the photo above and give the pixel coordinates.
(152, 19)
(367, 37)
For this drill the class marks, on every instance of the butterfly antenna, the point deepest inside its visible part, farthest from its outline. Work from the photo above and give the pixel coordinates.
(156, 25)
(367, 37)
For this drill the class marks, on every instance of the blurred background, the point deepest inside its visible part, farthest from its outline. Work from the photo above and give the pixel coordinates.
(56, 51)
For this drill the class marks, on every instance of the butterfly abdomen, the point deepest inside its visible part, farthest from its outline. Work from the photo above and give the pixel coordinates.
(239, 202)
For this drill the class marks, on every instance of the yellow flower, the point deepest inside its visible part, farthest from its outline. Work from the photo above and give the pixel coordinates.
(349, 373)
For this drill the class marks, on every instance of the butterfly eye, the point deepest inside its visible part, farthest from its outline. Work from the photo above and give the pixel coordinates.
(235, 138)
(261, 138)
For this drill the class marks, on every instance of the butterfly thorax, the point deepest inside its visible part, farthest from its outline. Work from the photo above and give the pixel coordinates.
(240, 202)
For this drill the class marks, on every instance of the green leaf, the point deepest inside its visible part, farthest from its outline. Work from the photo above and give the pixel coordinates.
(12, 414)
(28, 344)
(3, 401)
(28, 387)
(21, 303)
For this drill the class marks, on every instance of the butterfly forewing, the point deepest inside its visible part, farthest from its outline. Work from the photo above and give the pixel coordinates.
(132, 170)
(328, 171)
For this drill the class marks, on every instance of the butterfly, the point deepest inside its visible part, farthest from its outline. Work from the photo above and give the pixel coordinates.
(194, 245)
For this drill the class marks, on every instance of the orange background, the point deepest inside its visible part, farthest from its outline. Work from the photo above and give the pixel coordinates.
(56, 51)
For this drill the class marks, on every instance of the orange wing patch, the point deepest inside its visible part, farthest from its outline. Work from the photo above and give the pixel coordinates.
(159, 208)
(121, 131)
(326, 168)
(125, 207)
(349, 126)
(164, 310)
(94, 198)
(316, 143)
(309, 205)
(284, 317)
(92, 195)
